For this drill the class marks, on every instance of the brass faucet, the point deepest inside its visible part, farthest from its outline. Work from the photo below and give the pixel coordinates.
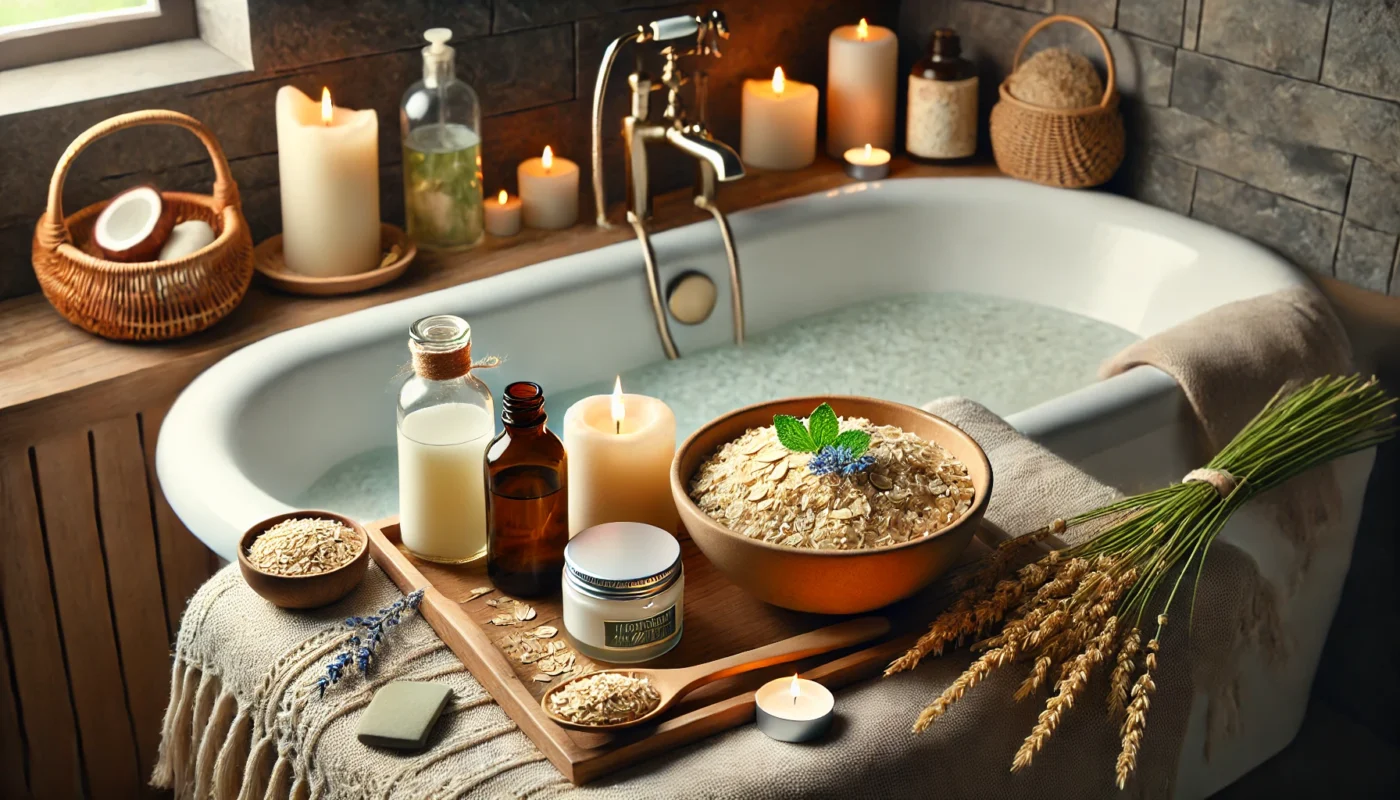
(716, 161)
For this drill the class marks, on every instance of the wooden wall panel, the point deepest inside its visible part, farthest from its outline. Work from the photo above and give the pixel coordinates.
(31, 626)
(12, 766)
(64, 467)
(185, 562)
(133, 571)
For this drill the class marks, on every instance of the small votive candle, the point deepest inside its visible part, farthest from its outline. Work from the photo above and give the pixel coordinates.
(867, 163)
(503, 216)
(794, 709)
(548, 191)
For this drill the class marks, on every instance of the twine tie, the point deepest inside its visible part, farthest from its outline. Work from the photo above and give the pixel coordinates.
(435, 365)
(1223, 482)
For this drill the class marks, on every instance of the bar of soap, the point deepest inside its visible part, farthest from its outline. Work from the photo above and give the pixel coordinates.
(402, 714)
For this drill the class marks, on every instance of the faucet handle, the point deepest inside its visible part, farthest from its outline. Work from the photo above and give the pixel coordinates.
(713, 30)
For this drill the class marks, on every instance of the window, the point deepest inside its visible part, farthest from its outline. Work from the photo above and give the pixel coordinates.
(38, 31)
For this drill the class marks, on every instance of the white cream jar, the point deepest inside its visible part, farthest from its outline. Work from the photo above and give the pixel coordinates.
(623, 592)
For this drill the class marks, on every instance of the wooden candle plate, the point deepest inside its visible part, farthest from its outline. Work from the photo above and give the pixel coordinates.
(267, 260)
(720, 620)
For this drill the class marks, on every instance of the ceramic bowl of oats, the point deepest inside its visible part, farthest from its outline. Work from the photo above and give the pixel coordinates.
(304, 559)
(833, 505)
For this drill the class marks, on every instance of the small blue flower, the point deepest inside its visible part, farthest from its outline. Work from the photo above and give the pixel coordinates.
(361, 650)
(839, 460)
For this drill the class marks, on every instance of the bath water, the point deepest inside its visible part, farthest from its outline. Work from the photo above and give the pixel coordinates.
(1006, 354)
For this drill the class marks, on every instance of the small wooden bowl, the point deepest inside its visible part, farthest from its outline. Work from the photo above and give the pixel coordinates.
(304, 591)
(267, 260)
(830, 581)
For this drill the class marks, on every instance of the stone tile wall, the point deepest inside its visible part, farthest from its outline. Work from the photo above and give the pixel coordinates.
(1276, 119)
(533, 63)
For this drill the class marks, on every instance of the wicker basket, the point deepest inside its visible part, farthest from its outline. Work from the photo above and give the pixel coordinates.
(153, 300)
(1070, 148)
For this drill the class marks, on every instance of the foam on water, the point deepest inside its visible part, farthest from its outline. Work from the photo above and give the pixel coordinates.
(1008, 355)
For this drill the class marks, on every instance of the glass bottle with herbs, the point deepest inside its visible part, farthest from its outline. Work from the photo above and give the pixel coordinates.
(942, 118)
(440, 122)
(527, 499)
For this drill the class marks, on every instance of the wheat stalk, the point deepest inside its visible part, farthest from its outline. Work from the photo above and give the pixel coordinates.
(1077, 601)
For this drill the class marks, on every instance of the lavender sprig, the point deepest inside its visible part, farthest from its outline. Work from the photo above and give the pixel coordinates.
(361, 649)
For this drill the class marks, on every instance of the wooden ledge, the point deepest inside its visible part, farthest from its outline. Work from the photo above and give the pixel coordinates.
(53, 375)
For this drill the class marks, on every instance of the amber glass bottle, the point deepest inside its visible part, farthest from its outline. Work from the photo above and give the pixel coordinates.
(527, 506)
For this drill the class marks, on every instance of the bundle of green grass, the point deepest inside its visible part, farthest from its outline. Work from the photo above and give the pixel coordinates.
(1057, 78)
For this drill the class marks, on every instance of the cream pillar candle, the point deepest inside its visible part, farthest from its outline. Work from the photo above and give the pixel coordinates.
(328, 165)
(862, 62)
(779, 129)
(503, 215)
(620, 450)
(548, 191)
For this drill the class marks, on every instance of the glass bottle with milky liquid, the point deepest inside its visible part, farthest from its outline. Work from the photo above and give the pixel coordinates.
(440, 122)
(445, 421)
(527, 505)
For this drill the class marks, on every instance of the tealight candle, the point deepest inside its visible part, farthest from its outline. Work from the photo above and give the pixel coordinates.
(794, 709)
(779, 128)
(328, 167)
(503, 216)
(867, 163)
(862, 61)
(548, 191)
(620, 449)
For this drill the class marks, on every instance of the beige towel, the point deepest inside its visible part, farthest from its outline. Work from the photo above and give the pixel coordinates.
(1229, 362)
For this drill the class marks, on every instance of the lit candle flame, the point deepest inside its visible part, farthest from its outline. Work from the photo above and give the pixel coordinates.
(863, 30)
(868, 153)
(778, 82)
(327, 110)
(547, 160)
(796, 690)
(502, 197)
(619, 411)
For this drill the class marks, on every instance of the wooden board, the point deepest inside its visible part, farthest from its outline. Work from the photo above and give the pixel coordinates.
(720, 620)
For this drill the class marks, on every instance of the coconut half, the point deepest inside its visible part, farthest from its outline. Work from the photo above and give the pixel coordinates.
(133, 226)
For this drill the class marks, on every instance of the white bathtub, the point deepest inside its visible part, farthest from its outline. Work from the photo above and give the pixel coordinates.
(257, 428)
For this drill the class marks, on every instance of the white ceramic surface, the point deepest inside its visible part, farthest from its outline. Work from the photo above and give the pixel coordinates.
(240, 437)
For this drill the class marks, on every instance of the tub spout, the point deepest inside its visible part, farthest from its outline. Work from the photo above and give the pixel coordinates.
(698, 143)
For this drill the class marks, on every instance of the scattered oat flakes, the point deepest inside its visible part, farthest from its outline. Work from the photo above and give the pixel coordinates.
(524, 613)
(479, 591)
(545, 632)
(759, 489)
(543, 678)
(604, 698)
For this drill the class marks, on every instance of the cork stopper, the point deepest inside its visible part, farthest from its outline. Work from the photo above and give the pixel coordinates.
(437, 56)
(944, 44)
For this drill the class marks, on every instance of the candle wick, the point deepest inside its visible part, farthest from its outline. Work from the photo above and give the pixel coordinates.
(618, 424)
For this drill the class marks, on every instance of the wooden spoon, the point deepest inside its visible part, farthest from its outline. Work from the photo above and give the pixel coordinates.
(673, 684)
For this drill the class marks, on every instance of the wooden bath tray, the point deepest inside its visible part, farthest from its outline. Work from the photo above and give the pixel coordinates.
(720, 619)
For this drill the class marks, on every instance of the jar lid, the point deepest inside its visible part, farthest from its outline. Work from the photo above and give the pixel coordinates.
(621, 560)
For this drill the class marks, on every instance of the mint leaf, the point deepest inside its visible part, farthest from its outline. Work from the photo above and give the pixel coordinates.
(793, 434)
(855, 441)
(824, 425)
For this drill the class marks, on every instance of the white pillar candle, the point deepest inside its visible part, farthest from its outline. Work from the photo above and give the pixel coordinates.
(503, 215)
(862, 61)
(620, 449)
(548, 191)
(328, 165)
(779, 128)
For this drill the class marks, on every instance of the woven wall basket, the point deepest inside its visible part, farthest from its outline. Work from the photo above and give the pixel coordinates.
(153, 300)
(1072, 148)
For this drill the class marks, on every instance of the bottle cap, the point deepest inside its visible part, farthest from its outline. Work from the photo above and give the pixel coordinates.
(439, 37)
(945, 43)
